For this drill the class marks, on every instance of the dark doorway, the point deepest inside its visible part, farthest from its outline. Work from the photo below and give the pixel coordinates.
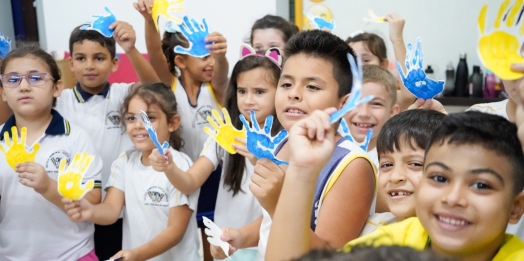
(24, 20)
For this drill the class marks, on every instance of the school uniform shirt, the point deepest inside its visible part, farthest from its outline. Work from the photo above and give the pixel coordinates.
(411, 233)
(99, 115)
(232, 211)
(31, 227)
(148, 198)
(193, 117)
(499, 108)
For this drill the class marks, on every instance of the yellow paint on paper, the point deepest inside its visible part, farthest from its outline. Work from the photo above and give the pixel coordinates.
(16, 151)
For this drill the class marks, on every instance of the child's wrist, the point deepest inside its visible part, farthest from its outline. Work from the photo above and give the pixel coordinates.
(130, 50)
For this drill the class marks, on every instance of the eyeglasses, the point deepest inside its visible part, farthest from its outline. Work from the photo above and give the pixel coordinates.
(35, 79)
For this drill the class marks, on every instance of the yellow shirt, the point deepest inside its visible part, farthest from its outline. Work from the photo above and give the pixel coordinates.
(411, 233)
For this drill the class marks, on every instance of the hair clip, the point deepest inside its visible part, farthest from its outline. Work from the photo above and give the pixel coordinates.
(172, 27)
(273, 54)
(5, 45)
(101, 23)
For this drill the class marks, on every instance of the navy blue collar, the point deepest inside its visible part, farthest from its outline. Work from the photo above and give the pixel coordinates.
(83, 96)
(57, 126)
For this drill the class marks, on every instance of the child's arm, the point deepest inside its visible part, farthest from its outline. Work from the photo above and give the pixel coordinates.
(33, 175)
(105, 213)
(178, 221)
(244, 237)
(396, 26)
(125, 36)
(218, 50)
(157, 59)
(186, 182)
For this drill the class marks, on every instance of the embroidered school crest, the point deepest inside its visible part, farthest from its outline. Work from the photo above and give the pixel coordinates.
(156, 196)
(53, 162)
(113, 120)
(202, 114)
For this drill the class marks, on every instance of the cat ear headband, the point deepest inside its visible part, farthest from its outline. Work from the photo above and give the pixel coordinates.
(273, 54)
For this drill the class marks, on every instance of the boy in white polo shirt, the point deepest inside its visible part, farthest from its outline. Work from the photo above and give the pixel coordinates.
(94, 104)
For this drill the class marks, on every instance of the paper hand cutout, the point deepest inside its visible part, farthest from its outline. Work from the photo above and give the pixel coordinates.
(196, 35)
(213, 233)
(343, 129)
(499, 47)
(318, 22)
(374, 18)
(16, 151)
(355, 98)
(5, 45)
(165, 8)
(70, 179)
(224, 133)
(416, 80)
(101, 23)
(259, 142)
(151, 132)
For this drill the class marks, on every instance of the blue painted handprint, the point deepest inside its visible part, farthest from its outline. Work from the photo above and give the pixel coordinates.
(259, 142)
(5, 45)
(355, 98)
(318, 22)
(343, 130)
(101, 23)
(144, 119)
(416, 80)
(196, 35)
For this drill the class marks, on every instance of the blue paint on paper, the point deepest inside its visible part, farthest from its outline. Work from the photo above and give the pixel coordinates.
(196, 35)
(343, 129)
(101, 23)
(152, 132)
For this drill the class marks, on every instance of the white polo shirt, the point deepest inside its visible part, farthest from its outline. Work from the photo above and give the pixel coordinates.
(148, 198)
(32, 228)
(99, 115)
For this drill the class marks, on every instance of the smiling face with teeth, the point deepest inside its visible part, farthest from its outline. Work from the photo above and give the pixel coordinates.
(466, 200)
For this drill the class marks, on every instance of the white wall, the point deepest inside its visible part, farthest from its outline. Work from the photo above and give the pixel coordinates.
(447, 27)
(232, 18)
(6, 21)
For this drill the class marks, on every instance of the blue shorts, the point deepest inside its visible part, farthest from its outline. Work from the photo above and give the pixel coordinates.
(208, 197)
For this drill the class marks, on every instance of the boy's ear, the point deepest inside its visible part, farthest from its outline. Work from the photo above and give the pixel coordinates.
(395, 109)
(174, 123)
(180, 61)
(115, 65)
(343, 101)
(518, 209)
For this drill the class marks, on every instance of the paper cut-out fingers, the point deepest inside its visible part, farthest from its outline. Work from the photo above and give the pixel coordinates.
(196, 35)
(70, 179)
(5, 45)
(16, 151)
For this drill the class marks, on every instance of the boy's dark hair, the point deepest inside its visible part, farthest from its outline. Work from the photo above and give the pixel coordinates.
(376, 74)
(326, 46)
(33, 49)
(275, 22)
(412, 127)
(381, 253)
(160, 95)
(492, 132)
(169, 42)
(78, 36)
(374, 43)
(234, 169)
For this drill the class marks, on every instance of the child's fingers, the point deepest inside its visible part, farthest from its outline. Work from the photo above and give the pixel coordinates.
(217, 47)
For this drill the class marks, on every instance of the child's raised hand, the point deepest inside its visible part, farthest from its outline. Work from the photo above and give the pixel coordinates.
(242, 150)
(126, 255)
(312, 140)
(159, 162)
(219, 46)
(78, 211)
(144, 8)
(396, 26)
(429, 104)
(230, 235)
(124, 35)
(33, 175)
(266, 184)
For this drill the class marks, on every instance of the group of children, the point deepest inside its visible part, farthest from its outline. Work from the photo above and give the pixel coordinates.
(449, 183)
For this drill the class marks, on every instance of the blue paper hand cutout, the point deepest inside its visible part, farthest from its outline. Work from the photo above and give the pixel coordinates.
(318, 22)
(196, 35)
(259, 142)
(5, 45)
(152, 132)
(355, 98)
(416, 80)
(101, 23)
(343, 129)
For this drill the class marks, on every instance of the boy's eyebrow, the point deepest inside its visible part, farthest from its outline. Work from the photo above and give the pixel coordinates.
(487, 171)
(99, 53)
(440, 164)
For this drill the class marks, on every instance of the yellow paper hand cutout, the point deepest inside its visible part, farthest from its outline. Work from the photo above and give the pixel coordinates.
(165, 7)
(16, 152)
(70, 179)
(224, 133)
(500, 48)
(374, 18)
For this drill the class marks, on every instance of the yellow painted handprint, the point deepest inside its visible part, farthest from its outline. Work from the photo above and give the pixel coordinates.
(70, 180)
(224, 133)
(165, 8)
(16, 152)
(499, 48)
